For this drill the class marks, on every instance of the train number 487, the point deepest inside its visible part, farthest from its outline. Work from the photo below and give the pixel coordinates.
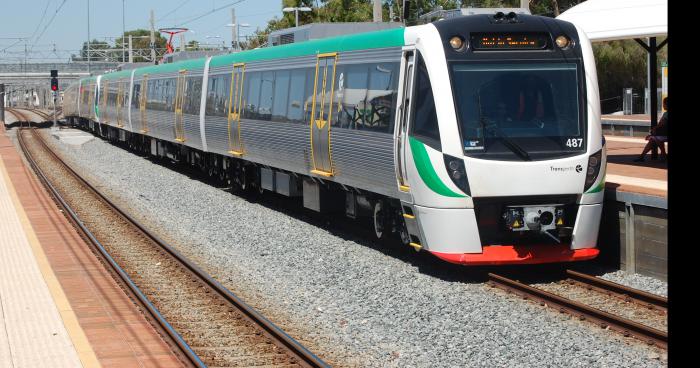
(574, 142)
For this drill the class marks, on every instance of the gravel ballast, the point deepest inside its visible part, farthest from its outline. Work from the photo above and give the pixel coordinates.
(350, 300)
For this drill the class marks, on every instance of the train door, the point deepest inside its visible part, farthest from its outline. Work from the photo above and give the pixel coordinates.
(120, 104)
(235, 103)
(401, 136)
(321, 114)
(142, 104)
(179, 99)
(103, 103)
(91, 101)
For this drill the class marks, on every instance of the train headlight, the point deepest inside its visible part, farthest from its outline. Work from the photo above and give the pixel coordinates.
(594, 162)
(457, 172)
(457, 43)
(562, 41)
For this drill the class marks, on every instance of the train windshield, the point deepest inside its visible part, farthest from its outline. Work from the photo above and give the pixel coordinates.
(510, 111)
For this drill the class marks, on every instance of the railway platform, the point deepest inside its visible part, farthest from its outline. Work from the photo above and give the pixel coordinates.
(634, 228)
(59, 307)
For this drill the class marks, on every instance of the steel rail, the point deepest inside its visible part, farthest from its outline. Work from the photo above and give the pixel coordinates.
(629, 294)
(184, 347)
(296, 348)
(604, 319)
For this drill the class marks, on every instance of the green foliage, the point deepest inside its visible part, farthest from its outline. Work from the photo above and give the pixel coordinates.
(623, 64)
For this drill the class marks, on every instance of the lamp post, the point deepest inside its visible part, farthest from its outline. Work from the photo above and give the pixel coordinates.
(123, 33)
(238, 32)
(210, 37)
(296, 11)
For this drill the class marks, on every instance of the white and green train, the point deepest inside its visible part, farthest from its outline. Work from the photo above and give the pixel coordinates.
(475, 138)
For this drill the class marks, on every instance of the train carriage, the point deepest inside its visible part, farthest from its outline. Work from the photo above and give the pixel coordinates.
(475, 138)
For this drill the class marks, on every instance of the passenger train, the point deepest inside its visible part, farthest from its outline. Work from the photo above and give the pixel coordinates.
(475, 138)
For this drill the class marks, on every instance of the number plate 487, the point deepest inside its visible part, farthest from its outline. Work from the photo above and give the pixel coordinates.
(574, 142)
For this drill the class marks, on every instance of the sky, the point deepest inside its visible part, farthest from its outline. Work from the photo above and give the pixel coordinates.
(31, 21)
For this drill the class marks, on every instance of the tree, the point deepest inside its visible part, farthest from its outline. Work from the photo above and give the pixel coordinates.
(623, 64)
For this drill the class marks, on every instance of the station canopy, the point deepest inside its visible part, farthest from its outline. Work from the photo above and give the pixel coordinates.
(606, 20)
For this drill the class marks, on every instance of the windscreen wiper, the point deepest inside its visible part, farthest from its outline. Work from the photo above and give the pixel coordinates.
(510, 143)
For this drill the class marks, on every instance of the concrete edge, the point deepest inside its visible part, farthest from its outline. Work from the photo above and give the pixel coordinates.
(636, 198)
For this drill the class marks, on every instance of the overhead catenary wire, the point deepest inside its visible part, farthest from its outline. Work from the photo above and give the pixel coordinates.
(43, 16)
(48, 24)
(173, 11)
(210, 12)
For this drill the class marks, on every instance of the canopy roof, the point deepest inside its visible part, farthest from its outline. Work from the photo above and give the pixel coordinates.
(605, 20)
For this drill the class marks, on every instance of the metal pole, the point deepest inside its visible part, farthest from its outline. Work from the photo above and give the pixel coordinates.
(53, 94)
(296, 17)
(88, 45)
(153, 39)
(123, 34)
(233, 29)
(2, 103)
(131, 50)
(238, 36)
(652, 89)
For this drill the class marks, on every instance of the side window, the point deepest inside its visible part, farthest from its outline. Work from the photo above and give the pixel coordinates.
(193, 95)
(425, 124)
(352, 95)
(267, 85)
(251, 91)
(381, 99)
(211, 95)
(224, 88)
(135, 96)
(297, 86)
(217, 95)
(308, 94)
(279, 106)
(336, 115)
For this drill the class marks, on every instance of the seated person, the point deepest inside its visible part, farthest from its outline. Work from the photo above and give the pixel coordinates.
(658, 136)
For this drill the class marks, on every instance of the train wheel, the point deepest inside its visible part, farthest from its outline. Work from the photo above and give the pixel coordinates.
(381, 229)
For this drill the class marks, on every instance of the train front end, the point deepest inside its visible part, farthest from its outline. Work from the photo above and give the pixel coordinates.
(503, 160)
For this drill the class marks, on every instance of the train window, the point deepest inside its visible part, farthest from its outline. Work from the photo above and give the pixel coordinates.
(381, 97)
(425, 124)
(519, 111)
(217, 95)
(279, 106)
(297, 86)
(136, 94)
(192, 101)
(211, 87)
(267, 84)
(352, 94)
(251, 92)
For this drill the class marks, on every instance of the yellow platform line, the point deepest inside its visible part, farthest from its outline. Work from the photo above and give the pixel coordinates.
(86, 354)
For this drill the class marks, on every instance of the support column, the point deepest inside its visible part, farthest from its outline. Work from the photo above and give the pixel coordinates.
(653, 101)
(2, 103)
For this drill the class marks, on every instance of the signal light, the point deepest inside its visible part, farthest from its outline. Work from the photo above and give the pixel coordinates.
(54, 84)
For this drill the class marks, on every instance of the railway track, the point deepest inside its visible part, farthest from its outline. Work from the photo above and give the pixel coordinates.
(210, 325)
(47, 117)
(609, 305)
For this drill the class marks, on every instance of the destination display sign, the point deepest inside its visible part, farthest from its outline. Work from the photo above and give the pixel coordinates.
(508, 41)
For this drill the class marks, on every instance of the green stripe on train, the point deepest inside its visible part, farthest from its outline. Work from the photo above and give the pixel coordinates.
(426, 170)
(360, 41)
